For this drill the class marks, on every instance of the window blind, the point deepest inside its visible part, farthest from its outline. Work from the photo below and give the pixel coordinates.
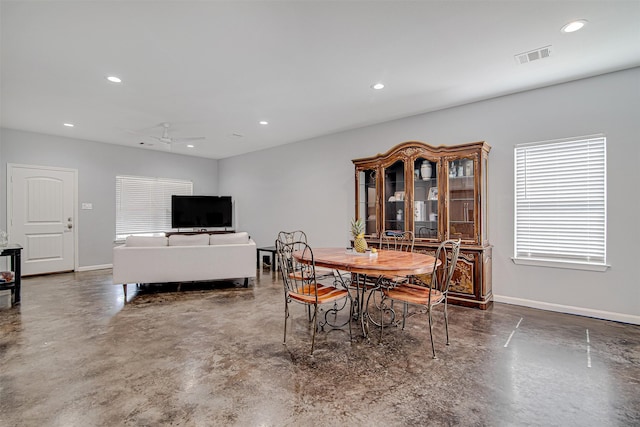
(143, 204)
(560, 201)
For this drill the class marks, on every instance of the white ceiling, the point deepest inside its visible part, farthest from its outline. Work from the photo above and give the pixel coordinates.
(214, 68)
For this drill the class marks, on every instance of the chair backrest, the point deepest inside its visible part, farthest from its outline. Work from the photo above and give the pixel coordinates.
(397, 240)
(292, 236)
(296, 276)
(427, 232)
(447, 253)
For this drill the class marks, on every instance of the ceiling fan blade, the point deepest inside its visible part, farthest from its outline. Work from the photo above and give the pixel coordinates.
(162, 140)
(189, 138)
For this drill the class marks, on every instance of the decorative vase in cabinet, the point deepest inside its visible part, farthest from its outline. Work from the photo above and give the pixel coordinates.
(425, 170)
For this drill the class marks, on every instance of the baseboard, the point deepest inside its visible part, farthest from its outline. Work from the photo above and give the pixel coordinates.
(598, 314)
(94, 267)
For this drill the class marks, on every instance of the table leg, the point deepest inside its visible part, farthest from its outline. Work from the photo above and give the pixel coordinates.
(359, 304)
(15, 266)
(362, 289)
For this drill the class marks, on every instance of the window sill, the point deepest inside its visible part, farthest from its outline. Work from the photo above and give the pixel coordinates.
(561, 264)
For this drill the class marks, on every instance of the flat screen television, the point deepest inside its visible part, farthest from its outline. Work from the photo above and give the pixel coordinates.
(201, 211)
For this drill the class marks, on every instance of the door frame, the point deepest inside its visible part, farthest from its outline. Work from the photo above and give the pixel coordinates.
(9, 213)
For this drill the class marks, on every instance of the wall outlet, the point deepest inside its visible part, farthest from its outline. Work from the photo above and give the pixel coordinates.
(87, 206)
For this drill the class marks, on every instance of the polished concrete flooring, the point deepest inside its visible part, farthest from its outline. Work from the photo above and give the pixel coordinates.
(73, 354)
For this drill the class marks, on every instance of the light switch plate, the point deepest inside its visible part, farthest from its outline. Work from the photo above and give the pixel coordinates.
(87, 206)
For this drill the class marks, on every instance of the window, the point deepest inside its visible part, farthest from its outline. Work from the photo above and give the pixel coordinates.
(143, 205)
(560, 203)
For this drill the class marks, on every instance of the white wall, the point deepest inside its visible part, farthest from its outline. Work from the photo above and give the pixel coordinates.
(310, 184)
(97, 165)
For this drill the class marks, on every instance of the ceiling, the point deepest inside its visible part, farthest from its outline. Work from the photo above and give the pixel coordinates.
(215, 69)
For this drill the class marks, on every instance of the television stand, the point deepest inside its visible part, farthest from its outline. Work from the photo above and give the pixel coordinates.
(189, 233)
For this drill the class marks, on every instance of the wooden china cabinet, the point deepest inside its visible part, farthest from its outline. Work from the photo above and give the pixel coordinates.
(438, 193)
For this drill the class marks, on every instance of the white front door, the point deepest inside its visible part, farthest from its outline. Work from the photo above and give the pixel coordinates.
(41, 207)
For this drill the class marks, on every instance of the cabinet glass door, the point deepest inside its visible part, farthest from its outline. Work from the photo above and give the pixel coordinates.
(425, 199)
(394, 194)
(484, 231)
(462, 199)
(367, 200)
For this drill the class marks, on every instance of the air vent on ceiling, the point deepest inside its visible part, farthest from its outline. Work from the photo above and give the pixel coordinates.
(533, 55)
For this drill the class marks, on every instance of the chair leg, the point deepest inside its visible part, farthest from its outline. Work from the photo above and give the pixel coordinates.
(315, 326)
(433, 348)
(349, 320)
(405, 310)
(381, 314)
(286, 316)
(446, 320)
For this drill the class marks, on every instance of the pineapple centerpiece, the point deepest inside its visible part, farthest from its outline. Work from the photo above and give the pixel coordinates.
(357, 231)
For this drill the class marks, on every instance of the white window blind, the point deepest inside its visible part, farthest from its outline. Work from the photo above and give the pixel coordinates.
(560, 203)
(143, 204)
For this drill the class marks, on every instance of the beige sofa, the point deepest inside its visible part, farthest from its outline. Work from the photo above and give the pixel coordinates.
(184, 258)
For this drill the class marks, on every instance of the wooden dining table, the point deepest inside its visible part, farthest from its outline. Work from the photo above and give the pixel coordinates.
(384, 263)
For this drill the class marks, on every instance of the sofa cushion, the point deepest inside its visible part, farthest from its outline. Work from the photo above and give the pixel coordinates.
(146, 241)
(229, 239)
(189, 240)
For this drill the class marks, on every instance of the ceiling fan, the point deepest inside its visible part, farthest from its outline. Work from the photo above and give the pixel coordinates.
(169, 140)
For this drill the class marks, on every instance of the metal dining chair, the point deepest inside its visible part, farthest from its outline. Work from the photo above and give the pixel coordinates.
(300, 236)
(397, 240)
(287, 237)
(301, 286)
(432, 294)
(390, 240)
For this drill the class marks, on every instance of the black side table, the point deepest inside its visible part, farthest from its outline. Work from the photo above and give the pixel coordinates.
(14, 251)
(273, 255)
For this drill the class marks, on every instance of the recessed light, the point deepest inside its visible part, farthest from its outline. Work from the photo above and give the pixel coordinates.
(574, 26)
(264, 122)
(69, 125)
(114, 79)
(190, 146)
(377, 86)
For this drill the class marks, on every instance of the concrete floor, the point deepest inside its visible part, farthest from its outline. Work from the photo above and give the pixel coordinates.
(74, 355)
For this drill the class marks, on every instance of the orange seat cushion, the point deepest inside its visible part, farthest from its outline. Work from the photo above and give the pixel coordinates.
(307, 294)
(414, 294)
